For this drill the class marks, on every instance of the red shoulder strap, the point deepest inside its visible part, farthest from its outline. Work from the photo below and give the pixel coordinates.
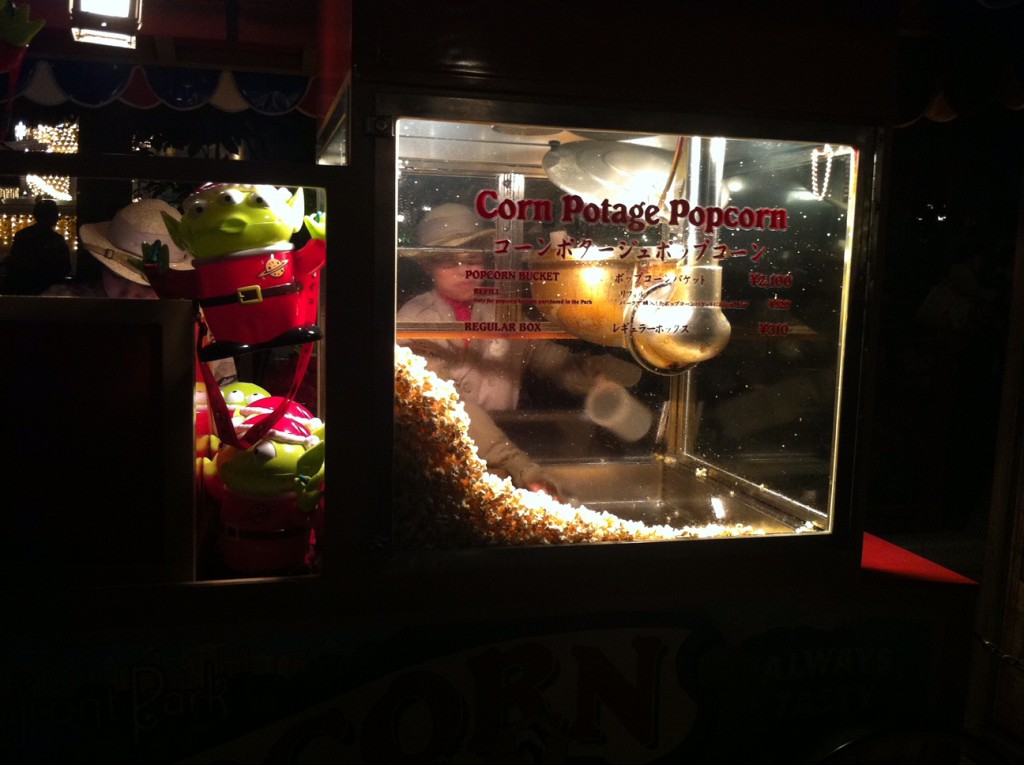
(221, 415)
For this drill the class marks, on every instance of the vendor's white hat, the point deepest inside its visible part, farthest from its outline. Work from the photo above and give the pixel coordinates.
(451, 225)
(117, 243)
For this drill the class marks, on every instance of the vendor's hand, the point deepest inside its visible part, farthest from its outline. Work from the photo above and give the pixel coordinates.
(545, 487)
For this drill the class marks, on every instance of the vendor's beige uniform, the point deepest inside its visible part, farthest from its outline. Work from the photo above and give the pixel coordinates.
(488, 374)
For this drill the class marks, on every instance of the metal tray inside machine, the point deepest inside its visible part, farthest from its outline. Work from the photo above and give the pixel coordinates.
(656, 493)
(631, 482)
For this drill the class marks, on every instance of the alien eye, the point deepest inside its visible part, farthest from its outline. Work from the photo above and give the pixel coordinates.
(265, 451)
(198, 208)
(231, 197)
(258, 201)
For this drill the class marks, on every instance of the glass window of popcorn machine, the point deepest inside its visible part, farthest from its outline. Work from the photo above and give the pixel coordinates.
(606, 337)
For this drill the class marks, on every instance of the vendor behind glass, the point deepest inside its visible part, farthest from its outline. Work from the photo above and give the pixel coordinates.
(487, 372)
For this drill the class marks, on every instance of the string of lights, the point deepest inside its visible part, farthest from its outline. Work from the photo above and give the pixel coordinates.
(59, 139)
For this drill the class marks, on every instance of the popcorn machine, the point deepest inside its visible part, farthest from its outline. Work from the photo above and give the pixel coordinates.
(669, 315)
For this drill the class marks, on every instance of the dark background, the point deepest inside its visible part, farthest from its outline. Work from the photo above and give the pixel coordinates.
(953, 198)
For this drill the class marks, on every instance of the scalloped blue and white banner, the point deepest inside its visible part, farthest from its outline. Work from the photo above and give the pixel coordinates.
(94, 84)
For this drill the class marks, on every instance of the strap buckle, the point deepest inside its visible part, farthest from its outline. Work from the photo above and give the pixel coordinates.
(249, 295)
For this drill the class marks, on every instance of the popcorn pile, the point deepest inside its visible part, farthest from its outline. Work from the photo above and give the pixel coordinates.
(445, 498)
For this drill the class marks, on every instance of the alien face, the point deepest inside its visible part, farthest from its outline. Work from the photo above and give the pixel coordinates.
(225, 218)
(267, 469)
(271, 466)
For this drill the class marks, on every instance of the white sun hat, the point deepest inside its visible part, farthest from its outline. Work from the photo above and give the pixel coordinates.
(117, 243)
(451, 225)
